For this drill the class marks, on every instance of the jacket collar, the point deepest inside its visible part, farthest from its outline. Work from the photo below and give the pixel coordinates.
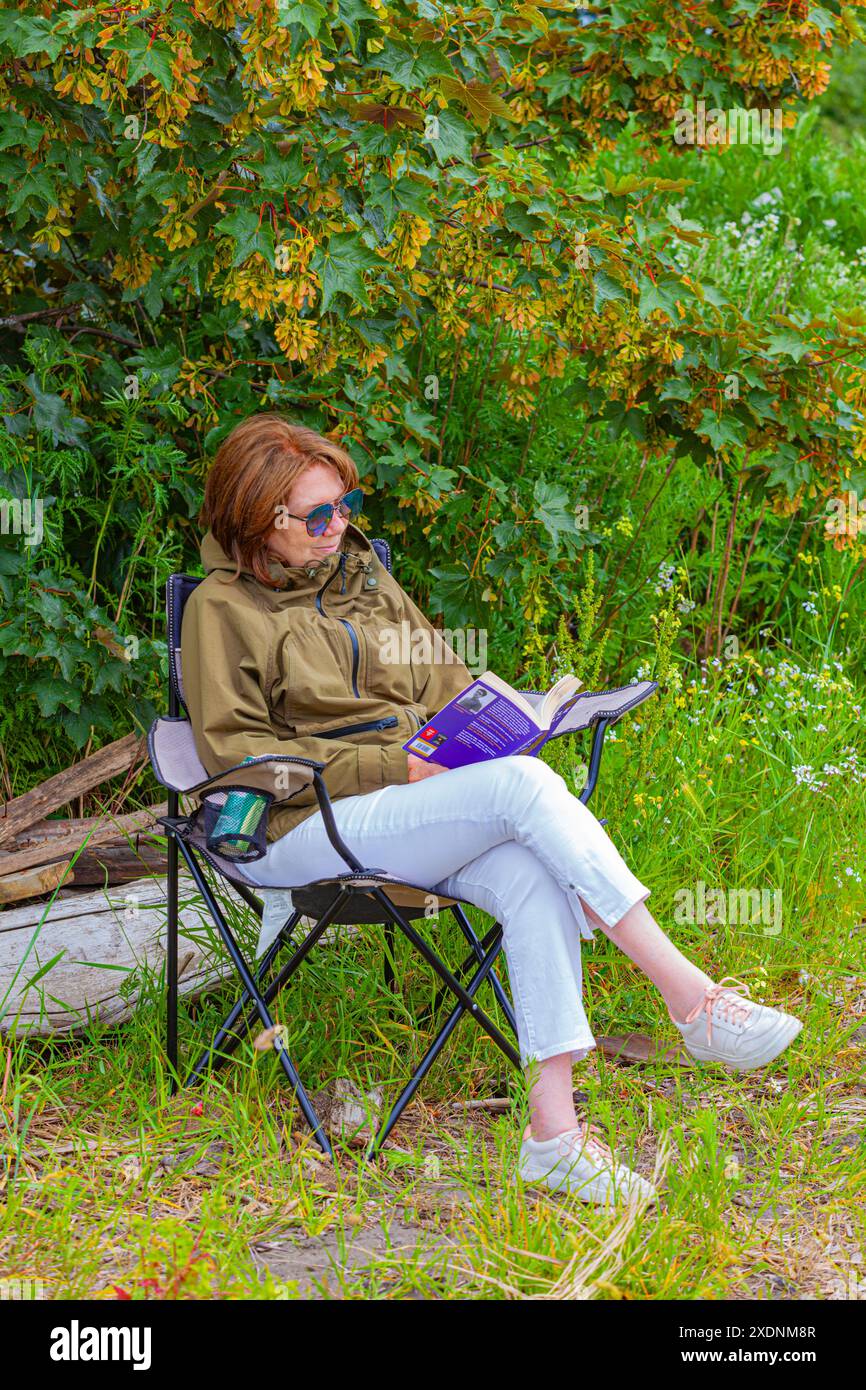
(356, 553)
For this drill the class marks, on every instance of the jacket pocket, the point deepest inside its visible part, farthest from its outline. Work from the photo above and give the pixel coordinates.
(387, 723)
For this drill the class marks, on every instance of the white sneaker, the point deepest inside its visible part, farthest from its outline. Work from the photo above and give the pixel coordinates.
(578, 1161)
(739, 1033)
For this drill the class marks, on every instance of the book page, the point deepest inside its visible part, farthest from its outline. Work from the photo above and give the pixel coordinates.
(556, 696)
(497, 683)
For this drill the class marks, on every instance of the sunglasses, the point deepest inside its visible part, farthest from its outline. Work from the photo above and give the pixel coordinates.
(319, 519)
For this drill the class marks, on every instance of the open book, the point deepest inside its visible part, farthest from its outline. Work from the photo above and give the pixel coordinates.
(490, 719)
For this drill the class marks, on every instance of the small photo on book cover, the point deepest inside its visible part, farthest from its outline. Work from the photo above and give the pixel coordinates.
(475, 698)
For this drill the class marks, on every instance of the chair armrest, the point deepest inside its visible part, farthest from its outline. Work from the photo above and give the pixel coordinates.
(240, 772)
(606, 709)
(234, 804)
(591, 706)
(599, 710)
(235, 776)
(327, 812)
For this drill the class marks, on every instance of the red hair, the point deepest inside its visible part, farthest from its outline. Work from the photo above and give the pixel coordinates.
(251, 477)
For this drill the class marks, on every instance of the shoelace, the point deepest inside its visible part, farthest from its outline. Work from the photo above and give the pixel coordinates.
(729, 998)
(590, 1141)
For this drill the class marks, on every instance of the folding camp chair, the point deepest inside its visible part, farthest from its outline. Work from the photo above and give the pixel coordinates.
(359, 895)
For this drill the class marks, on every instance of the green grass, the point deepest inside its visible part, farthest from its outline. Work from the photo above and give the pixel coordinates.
(108, 1182)
(788, 233)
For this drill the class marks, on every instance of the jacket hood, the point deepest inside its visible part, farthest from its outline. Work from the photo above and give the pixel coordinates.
(356, 553)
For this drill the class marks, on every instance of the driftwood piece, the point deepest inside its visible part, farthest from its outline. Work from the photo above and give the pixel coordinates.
(44, 830)
(637, 1047)
(45, 845)
(95, 954)
(30, 883)
(82, 777)
(107, 865)
(498, 1105)
(117, 863)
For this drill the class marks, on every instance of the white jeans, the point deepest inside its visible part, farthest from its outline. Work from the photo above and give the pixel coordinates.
(505, 835)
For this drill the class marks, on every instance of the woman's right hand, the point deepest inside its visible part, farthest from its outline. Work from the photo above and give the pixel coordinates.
(419, 768)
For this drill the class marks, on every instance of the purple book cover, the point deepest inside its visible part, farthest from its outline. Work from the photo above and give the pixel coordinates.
(478, 724)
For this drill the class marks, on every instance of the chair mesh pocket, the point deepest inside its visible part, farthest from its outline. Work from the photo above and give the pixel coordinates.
(236, 822)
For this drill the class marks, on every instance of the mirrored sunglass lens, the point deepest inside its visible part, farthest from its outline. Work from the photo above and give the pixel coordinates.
(353, 501)
(319, 519)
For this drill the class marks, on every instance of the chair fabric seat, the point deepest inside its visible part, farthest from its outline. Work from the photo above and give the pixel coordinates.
(314, 897)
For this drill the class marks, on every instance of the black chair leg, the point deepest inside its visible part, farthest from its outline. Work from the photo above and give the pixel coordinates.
(228, 1038)
(478, 951)
(438, 1043)
(171, 963)
(471, 936)
(389, 957)
(249, 983)
(445, 975)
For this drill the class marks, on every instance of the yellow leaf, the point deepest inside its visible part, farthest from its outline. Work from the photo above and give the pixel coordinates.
(269, 1037)
(480, 101)
(534, 14)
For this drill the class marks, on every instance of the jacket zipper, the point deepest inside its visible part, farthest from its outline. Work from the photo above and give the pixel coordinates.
(387, 723)
(356, 651)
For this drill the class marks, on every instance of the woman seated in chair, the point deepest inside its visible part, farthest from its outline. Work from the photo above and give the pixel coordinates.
(291, 637)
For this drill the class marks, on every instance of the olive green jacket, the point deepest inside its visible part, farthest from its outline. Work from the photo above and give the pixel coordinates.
(308, 669)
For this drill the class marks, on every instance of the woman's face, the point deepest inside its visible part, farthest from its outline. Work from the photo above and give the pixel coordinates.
(289, 541)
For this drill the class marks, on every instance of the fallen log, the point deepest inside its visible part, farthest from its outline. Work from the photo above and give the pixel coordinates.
(42, 831)
(65, 786)
(95, 955)
(30, 883)
(108, 865)
(115, 864)
(47, 844)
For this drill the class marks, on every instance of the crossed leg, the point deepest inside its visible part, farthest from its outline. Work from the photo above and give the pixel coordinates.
(542, 947)
(681, 984)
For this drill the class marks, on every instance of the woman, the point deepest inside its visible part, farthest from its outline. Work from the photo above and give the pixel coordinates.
(287, 647)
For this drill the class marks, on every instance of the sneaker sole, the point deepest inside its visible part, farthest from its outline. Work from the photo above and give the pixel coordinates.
(775, 1044)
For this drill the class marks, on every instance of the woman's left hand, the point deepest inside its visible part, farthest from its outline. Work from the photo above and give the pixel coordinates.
(419, 768)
